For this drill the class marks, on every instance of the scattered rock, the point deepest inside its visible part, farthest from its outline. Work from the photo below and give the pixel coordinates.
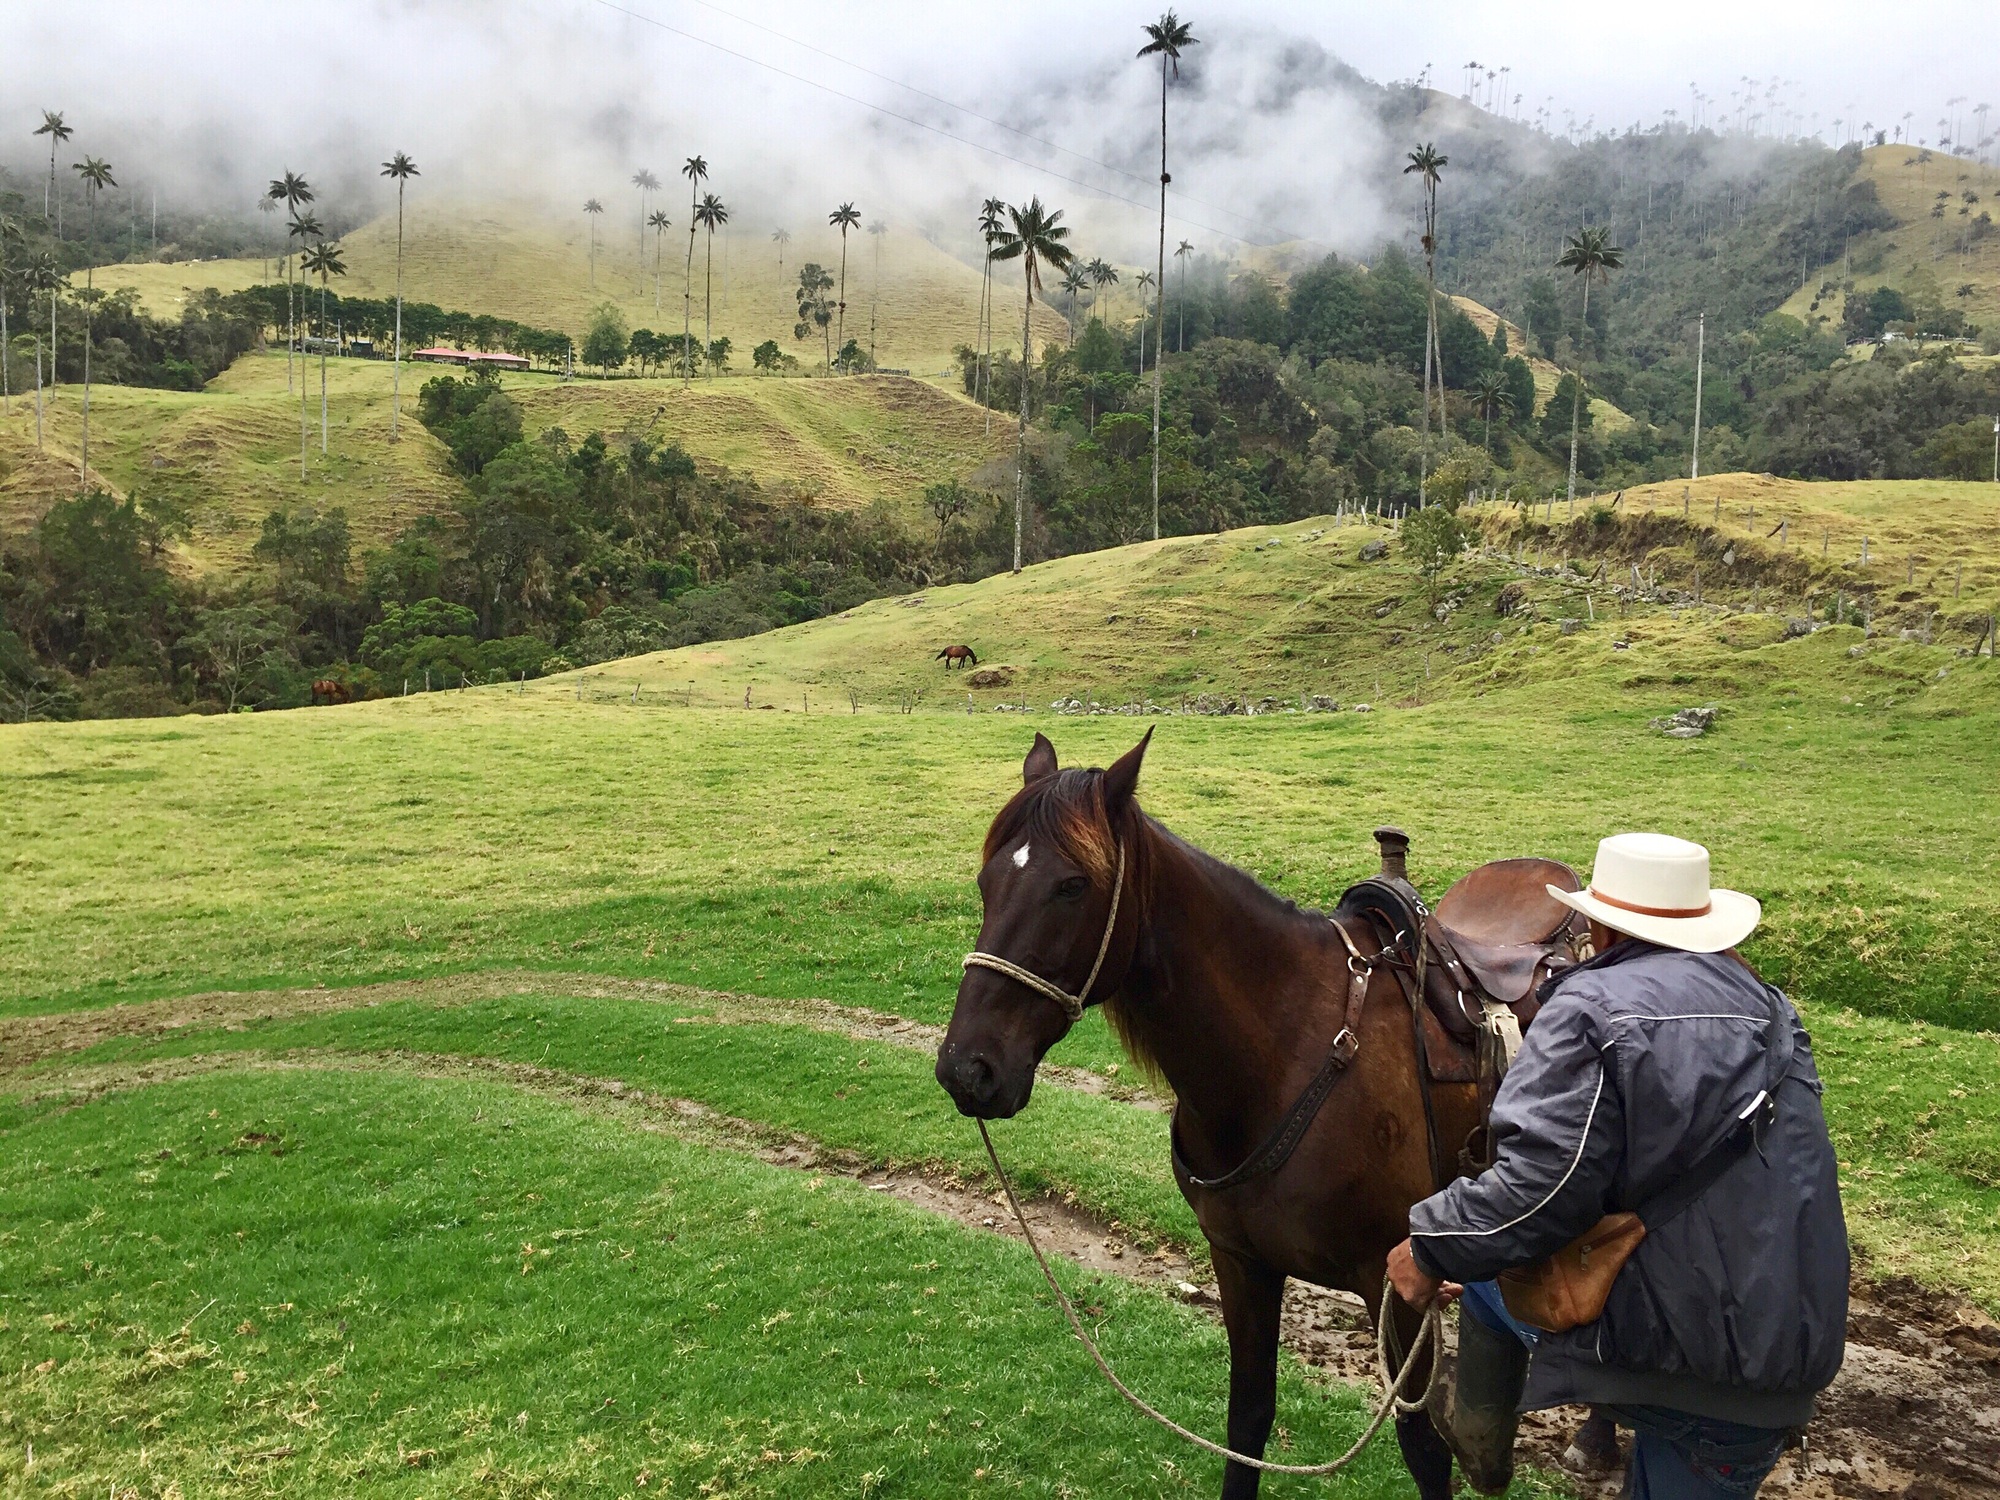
(1319, 704)
(1621, 645)
(1382, 610)
(1509, 600)
(1374, 551)
(1569, 626)
(991, 677)
(1795, 627)
(1688, 724)
(1362, 708)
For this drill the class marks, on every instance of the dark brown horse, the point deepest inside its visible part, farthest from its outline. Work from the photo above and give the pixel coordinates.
(956, 656)
(329, 691)
(1237, 998)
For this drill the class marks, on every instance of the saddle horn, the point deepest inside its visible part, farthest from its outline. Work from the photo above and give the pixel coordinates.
(1395, 846)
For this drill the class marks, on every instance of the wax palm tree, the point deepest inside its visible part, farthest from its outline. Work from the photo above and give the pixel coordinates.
(660, 223)
(96, 175)
(1490, 395)
(1590, 255)
(303, 227)
(1427, 163)
(266, 207)
(842, 218)
(1034, 236)
(323, 260)
(42, 275)
(645, 182)
(294, 192)
(592, 207)
(10, 234)
(1073, 283)
(1164, 39)
(875, 232)
(695, 170)
(402, 169)
(1102, 275)
(52, 126)
(990, 222)
(711, 215)
(1145, 285)
(1181, 254)
(781, 238)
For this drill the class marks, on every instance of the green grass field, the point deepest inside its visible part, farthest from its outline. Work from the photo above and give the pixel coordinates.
(514, 261)
(231, 452)
(381, 1218)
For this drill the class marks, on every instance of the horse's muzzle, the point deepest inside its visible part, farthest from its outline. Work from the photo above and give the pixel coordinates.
(977, 1087)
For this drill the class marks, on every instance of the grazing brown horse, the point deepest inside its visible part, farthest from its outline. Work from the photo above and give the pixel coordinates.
(960, 656)
(326, 690)
(1239, 999)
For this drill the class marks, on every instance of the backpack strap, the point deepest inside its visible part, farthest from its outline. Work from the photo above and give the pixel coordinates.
(1743, 1132)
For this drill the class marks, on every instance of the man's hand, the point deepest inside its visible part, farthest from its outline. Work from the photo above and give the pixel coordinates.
(1413, 1283)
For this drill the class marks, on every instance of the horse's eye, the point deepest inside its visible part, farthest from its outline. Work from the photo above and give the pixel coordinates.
(1072, 889)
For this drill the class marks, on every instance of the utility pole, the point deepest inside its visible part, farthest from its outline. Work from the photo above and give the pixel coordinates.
(1700, 345)
(1996, 449)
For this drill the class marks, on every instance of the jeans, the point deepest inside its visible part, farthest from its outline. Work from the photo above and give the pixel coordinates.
(1482, 1301)
(1675, 1454)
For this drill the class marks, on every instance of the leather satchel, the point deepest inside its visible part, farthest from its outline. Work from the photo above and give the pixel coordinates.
(1570, 1288)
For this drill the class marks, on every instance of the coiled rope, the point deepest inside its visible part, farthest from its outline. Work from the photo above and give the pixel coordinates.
(1429, 1336)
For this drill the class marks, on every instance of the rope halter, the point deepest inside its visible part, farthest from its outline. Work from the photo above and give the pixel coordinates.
(1072, 1005)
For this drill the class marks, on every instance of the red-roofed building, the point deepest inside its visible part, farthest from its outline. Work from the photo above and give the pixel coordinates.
(443, 356)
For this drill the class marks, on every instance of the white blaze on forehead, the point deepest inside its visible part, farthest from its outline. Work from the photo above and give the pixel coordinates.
(1021, 858)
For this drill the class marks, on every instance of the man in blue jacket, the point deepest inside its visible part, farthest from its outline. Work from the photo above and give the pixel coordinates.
(1663, 1061)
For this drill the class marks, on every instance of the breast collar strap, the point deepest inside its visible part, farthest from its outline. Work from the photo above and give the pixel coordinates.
(1072, 1005)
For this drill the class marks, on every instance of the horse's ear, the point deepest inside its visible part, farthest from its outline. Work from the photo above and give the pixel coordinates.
(1041, 761)
(1122, 779)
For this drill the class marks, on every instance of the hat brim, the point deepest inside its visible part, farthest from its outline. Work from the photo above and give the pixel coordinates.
(1731, 917)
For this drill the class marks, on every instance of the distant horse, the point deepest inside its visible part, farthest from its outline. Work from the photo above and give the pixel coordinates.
(1243, 1002)
(329, 692)
(956, 655)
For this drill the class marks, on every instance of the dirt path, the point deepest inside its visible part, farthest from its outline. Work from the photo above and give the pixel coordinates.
(25, 1040)
(1914, 1415)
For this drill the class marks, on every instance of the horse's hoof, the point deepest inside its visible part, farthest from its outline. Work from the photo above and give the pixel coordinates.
(1594, 1449)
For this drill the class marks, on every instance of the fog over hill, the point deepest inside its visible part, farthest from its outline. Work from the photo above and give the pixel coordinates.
(1276, 137)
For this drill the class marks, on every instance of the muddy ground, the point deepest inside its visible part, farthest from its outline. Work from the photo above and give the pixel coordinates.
(1914, 1414)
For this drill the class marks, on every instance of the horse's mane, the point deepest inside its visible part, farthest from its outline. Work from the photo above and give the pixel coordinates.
(1066, 810)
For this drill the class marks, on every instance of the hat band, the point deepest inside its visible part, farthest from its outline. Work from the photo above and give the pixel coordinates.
(1652, 911)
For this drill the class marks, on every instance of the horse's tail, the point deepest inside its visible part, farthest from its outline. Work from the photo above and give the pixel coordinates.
(942, 654)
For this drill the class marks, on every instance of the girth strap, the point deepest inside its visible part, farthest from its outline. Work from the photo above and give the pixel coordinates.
(1283, 1141)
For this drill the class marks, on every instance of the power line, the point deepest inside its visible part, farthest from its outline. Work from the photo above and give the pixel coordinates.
(1025, 135)
(938, 130)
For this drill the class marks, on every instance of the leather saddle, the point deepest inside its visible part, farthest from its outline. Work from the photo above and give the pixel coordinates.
(1477, 958)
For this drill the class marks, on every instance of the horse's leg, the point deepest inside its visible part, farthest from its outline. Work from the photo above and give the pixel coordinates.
(1425, 1454)
(1253, 1297)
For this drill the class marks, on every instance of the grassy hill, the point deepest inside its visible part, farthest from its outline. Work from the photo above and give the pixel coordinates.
(1920, 253)
(231, 452)
(1285, 610)
(1547, 374)
(514, 262)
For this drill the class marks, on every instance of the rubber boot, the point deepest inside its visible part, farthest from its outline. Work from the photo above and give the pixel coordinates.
(1478, 1411)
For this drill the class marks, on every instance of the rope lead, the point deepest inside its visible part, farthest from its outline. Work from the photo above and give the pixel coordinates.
(1393, 1401)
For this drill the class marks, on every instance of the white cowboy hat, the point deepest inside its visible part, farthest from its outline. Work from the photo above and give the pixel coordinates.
(1655, 887)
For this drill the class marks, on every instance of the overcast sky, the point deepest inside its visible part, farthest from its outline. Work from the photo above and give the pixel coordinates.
(564, 98)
